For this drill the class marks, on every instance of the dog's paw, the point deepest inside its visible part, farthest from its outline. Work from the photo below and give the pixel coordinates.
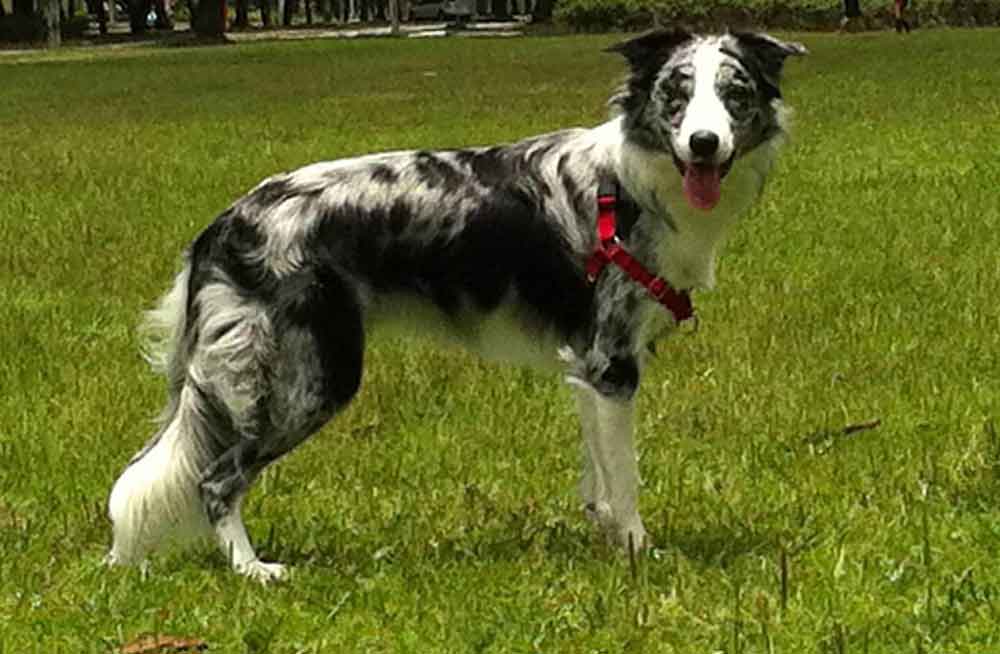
(265, 573)
(116, 559)
(624, 534)
(632, 539)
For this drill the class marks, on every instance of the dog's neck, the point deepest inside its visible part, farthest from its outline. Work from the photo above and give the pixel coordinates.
(685, 240)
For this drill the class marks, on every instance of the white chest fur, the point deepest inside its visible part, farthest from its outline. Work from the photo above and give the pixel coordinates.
(686, 254)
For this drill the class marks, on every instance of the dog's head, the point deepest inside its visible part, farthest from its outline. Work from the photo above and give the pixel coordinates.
(704, 100)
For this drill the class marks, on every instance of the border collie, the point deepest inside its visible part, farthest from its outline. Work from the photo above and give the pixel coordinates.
(261, 338)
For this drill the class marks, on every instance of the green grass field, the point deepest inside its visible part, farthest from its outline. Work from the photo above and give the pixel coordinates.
(439, 514)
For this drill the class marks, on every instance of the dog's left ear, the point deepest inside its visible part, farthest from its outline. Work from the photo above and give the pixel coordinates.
(651, 50)
(645, 55)
(769, 54)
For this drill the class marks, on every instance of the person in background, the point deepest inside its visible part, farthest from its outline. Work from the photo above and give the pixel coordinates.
(852, 11)
(899, 13)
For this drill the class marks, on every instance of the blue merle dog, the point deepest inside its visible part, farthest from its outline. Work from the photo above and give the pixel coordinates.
(261, 338)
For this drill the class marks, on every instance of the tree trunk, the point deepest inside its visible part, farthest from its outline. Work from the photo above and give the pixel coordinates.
(290, 10)
(53, 36)
(265, 12)
(309, 12)
(210, 19)
(500, 10)
(242, 14)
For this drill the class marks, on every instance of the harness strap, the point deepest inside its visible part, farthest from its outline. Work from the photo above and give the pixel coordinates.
(609, 250)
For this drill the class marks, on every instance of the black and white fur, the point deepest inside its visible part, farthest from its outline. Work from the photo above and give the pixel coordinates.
(262, 335)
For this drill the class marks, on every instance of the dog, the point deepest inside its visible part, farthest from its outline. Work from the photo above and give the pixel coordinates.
(261, 338)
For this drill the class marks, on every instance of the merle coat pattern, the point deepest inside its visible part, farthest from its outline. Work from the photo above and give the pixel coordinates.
(262, 336)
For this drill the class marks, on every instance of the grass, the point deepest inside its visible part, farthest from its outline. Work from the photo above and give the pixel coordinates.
(438, 513)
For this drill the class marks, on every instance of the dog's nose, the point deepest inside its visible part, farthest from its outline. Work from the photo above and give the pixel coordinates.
(704, 143)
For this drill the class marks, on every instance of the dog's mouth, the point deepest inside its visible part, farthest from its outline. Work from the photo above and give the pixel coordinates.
(703, 181)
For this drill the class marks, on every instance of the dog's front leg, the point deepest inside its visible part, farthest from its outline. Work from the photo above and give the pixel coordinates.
(592, 491)
(606, 373)
(615, 450)
(610, 482)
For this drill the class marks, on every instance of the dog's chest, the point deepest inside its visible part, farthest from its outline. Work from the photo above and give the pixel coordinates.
(686, 258)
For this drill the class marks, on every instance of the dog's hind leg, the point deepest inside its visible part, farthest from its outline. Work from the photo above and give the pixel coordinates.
(223, 487)
(311, 368)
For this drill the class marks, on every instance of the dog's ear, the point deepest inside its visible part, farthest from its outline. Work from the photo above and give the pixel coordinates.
(768, 55)
(646, 55)
(651, 50)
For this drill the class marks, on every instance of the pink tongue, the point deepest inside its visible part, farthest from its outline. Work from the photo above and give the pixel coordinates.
(701, 186)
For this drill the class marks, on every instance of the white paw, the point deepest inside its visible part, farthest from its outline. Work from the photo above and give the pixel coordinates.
(264, 573)
(626, 534)
(115, 558)
(631, 539)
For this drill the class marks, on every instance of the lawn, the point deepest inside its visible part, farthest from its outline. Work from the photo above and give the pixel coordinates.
(438, 514)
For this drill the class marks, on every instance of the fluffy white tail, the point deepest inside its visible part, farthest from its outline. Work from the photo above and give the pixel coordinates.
(156, 498)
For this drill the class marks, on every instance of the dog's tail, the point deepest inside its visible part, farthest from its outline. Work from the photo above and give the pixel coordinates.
(157, 494)
(164, 332)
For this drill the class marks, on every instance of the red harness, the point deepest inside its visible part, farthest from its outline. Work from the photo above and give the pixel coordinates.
(609, 250)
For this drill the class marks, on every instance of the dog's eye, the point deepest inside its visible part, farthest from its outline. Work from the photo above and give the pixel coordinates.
(675, 101)
(674, 93)
(739, 98)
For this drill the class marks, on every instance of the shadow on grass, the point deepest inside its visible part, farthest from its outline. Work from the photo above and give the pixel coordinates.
(720, 546)
(509, 537)
(560, 540)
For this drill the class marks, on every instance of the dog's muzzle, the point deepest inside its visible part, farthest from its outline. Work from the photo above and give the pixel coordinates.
(702, 176)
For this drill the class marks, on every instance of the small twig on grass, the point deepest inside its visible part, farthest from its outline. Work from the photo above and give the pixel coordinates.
(861, 426)
(825, 438)
(633, 566)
